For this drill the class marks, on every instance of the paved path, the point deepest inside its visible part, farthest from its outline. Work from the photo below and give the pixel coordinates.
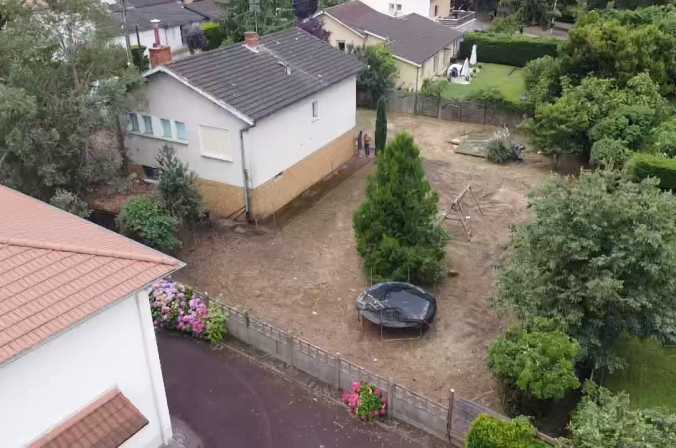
(228, 401)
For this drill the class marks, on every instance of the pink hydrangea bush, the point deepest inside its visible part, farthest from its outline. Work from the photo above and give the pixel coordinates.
(365, 401)
(177, 307)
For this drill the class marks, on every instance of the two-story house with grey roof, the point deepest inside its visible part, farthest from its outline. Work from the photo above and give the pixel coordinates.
(422, 48)
(259, 122)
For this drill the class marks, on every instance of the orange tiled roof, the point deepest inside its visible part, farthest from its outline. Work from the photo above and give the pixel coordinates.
(57, 270)
(106, 423)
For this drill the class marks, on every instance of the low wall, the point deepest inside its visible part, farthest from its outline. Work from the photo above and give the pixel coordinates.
(403, 404)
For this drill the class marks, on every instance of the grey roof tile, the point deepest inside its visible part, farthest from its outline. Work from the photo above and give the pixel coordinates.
(257, 83)
(411, 37)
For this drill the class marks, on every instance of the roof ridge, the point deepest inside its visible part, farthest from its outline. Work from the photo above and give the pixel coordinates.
(166, 260)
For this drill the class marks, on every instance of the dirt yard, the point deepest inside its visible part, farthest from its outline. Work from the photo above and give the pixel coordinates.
(303, 273)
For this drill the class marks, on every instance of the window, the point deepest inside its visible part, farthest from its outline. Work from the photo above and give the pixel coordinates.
(215, 143)
(181, 131)
(151, 173)
(133, 122)
(166, 128)
(147, 124)
(391, 8)
(398, 6)
(341, 45)
(315, 110)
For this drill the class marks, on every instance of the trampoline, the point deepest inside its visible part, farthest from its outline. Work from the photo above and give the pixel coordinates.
(397, 305)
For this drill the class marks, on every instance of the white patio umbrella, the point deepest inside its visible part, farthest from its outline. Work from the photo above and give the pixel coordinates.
(465, 72)
(472, 58)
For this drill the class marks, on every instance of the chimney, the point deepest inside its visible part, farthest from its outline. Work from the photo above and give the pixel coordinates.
(251, 40)
(159, 54)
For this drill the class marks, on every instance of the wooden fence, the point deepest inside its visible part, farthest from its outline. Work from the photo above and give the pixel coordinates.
(469, 111)
(404, 404)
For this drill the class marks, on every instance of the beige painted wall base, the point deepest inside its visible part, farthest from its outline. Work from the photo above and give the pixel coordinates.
(224, 200)
(277, 192)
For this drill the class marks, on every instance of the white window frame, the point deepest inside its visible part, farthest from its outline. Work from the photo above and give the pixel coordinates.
(166, 121)
(185, 129)
(204, 152)
(133, 122)
(146, 129)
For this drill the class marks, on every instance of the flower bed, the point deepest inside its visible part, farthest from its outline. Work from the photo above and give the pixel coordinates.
(365, 401)
(178, 307)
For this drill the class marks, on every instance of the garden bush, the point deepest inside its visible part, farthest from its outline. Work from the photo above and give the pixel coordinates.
(216, 329)
(145, 220)
(489, 432)
(500, 148)
(664, 138)
(65, 200)
(215, 34)
(508, 49)
(643, 165)
(365, 401)
(175, 306)
(177, 187)
(139, 58)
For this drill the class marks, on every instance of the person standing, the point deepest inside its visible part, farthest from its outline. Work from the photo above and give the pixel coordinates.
(359, 143)
(367, 144)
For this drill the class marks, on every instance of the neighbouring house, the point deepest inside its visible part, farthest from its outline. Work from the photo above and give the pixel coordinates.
(422, 48)
(79, 365)
(176, 18)
(259, 122)
(398, 8)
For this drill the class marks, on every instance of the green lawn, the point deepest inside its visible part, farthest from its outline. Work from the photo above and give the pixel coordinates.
(507, 79)
(650, 378)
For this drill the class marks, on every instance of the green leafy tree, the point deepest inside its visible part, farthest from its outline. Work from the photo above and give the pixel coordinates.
(380, 72)
(597, 109)
(61, 83)
(607, 420)
(664, 138)
(381, 125)
(621, 44)
(145, 220)
(177, 188)
(542, 77)
(599, 260)
(65, 200)
(396, 227)
(539, 362)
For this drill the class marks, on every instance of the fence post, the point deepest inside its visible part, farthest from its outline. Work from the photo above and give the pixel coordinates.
(338, 366)
(449, 417)
(291, 344)
(390, 396)
(246, 326)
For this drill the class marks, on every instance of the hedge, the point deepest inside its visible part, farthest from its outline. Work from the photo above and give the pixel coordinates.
(489, 432)
(507, 49)
(215, 34)
(643, 165)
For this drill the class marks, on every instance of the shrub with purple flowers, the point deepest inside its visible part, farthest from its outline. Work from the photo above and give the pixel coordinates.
(365, 401)
(178, 307)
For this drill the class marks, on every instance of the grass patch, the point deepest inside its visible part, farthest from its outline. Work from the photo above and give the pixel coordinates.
(650, 377)
(506, 79)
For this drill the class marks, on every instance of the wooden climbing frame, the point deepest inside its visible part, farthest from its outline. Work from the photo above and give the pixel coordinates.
(456, 211)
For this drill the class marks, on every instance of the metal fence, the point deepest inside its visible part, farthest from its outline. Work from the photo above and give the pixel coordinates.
(403, 404)
(469, 111)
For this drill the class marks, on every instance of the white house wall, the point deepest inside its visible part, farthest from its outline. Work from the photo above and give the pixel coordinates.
(47, 385)
(421, 7)
(168, 36)
(288, 136)
(170, 99)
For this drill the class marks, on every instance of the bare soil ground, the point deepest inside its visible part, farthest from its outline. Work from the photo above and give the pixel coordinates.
(303, 273)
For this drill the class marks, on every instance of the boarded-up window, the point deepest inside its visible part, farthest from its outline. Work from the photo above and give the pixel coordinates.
(216, 143)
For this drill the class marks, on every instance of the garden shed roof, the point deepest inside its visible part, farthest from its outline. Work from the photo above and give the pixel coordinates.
(57, 270)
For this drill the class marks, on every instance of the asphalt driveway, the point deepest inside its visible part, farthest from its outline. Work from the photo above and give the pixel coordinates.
(229, 401)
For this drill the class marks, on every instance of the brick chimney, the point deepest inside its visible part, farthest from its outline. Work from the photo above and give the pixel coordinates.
(159, 54)
(251, 40)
